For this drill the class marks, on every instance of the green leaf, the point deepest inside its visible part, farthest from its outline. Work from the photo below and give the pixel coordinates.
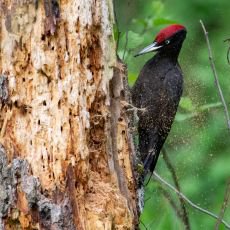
(210, 106)
(162, 21)
(158, 7)
(184, 116)
(186, 103)
(115, 32)
(132, 78)
(134, 40)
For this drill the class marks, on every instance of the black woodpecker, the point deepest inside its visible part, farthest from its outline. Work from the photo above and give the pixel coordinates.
(157, 93)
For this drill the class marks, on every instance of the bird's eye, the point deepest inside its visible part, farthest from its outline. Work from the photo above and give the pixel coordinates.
(167, 42)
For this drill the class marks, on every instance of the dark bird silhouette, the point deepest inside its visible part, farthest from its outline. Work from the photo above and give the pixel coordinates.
(157, 93)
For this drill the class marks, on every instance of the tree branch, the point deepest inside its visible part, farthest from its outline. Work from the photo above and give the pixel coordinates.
(227, 192)
(184, 213)
(167, 195)
(228, 52)
(216, 76)
(224, 205)
(116, 25)
(126, 44)
(143, 225)
(162, 181)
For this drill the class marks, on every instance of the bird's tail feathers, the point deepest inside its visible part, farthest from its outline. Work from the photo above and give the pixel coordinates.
(149, 164)
(149, 159)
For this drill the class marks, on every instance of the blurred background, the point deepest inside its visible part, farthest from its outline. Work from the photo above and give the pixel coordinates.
(199, 143)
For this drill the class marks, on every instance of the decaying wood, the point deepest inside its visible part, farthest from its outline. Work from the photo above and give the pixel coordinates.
(66, 156)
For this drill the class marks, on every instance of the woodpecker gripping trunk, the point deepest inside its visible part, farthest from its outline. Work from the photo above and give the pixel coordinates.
(157, 93)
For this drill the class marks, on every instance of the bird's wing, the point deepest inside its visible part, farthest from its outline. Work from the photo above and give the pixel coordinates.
(156, 124)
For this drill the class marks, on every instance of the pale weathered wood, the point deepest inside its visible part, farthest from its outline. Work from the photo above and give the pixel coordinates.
(65, 155)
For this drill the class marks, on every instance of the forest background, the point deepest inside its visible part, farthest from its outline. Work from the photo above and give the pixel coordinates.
(199, 143)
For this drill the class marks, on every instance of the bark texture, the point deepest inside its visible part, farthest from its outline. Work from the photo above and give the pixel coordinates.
(66, 155)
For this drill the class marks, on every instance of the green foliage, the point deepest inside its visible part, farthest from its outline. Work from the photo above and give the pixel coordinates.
(162, 21)
(136, 40)
(116, 32)
(186, 103)
(199, 143)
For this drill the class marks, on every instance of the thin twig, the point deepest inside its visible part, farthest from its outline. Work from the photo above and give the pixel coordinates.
(216, 76)
(169, 165)
(199, 110)
(227, 40)
(162, 181)
(117, 24)
(126, 44)
(167, 195)
(228, 52)
(224, 205)
(132, 107)
(227, 192)
(143, 225)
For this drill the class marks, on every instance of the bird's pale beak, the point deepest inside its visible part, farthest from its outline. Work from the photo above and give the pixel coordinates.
(153, 47)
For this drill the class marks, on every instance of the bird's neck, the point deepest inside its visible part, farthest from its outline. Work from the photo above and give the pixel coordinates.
(171, 53)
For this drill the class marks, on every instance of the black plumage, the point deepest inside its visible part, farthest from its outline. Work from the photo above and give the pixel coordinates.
(157, 93)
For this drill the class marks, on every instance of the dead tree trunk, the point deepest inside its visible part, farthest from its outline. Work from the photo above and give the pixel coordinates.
(66, 158)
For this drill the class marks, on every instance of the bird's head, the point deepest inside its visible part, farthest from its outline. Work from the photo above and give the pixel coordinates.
(171, 37)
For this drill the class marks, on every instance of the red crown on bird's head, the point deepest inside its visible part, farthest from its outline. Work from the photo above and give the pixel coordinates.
(167, 32)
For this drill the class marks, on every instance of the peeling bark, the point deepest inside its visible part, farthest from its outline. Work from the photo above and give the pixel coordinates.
(66, 155)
